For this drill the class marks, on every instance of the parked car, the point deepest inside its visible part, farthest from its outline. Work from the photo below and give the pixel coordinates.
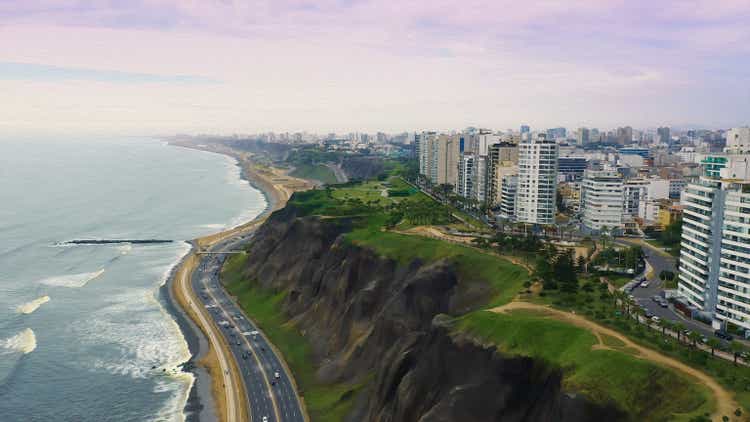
(644, 284)
(723, 335)
(656, 298)
(656, 319)
(664, 304)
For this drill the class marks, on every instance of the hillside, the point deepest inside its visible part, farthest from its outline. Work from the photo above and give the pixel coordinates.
(382, 326)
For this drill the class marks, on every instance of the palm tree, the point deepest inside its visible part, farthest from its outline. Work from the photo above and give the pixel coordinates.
(713, 344)
(664, 324)
(678, 328)
(737, 348)
(694, 337)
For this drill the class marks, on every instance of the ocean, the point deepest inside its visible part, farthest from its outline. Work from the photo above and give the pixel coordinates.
(84, 335)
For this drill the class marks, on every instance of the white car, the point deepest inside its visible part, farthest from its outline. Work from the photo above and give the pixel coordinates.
(265, 418)
(276, 375)
(644, 284)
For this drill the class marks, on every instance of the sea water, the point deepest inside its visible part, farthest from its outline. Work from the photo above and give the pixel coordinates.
(83, 333)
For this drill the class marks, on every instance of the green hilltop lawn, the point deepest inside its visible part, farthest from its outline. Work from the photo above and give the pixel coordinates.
(317, 172)
(645, 390)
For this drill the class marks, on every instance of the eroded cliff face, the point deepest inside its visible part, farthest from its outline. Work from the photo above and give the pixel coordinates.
(369, 318)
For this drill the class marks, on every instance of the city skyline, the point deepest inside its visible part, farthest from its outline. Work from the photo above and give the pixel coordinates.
(171, 66)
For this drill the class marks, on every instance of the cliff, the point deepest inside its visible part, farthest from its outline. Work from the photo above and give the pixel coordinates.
(369, 319)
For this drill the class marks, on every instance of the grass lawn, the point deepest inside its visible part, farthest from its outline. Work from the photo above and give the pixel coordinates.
(315, 172)
(505, 278)
(644, 390)
(325, 402)
(598, 306)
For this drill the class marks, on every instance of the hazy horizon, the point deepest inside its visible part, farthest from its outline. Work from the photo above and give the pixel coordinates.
(168, 66)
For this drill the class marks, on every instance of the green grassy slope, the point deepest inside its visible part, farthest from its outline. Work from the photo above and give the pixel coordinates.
(325, 402)
(315, 172)
(644, 390)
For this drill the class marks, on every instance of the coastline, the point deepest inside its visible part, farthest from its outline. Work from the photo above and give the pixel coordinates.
(206, 397)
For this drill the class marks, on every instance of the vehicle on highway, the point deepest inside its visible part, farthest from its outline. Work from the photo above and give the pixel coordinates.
(656, 298)
(723, 335)
(276, 375)
(265, 418)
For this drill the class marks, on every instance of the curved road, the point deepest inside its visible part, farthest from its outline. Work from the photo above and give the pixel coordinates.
(270, 389)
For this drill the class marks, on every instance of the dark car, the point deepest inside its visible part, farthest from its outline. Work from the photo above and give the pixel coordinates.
(723, 335)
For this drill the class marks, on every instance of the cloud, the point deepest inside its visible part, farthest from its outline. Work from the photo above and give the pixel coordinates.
(366, 64)
(42, 72)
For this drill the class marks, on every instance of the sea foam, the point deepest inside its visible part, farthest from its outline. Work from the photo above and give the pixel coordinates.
(23, 342)
(33, 305)
(125, 248)
(72, 280)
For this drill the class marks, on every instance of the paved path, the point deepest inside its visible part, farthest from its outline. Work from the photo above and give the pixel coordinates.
(725, 404)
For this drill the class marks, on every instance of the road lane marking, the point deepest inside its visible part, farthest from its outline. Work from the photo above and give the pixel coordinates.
(255, 356)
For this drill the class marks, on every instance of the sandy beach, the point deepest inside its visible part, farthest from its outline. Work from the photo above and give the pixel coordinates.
(211, 402)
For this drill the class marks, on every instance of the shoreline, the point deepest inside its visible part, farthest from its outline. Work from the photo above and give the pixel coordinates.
(206, 395)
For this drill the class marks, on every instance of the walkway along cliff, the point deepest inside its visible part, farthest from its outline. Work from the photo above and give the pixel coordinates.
(372, 320)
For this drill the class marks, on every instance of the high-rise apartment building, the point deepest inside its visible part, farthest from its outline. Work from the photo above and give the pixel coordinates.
(502, 160)
(582, 136)
(508, 192)
(438, 157)
(738, 140)
(537, 180)
(663, 134)
(465, 185)
(602, 200)
(715, 248)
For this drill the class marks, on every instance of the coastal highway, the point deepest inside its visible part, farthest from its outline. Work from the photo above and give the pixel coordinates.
(268, 396)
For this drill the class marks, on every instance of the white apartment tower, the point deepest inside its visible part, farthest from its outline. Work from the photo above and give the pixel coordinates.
(465, 185)
(602, 199)
(715, 248)
(537, 180)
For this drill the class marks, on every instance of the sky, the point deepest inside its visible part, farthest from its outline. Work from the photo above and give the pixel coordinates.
(146, 67)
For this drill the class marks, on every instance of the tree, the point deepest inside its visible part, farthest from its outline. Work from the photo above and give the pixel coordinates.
(604, 234)
(581, 264)
(713, 344)
(737, 348)
(564, 272)
(664, 324)
(679, 328)
(666, 275)
(694, 337)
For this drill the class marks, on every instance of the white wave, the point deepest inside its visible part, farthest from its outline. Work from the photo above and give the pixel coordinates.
(172, 410)
(72, 280)
(125, 248)
(149, 344)
(212, 226)
(23, 342)
(33, 305)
